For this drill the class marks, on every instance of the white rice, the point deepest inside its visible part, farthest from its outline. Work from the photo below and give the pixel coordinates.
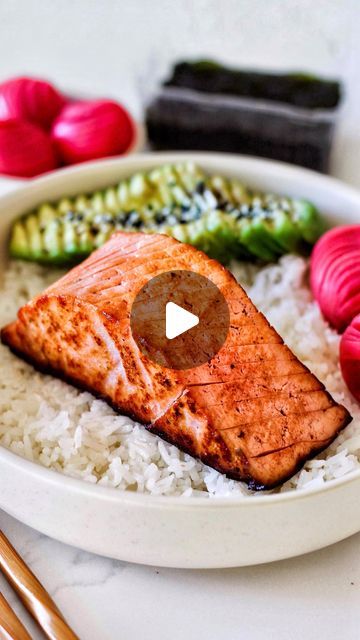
(54, 424)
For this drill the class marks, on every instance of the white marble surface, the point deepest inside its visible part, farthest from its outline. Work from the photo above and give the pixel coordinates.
(113, 48)
(314, 597)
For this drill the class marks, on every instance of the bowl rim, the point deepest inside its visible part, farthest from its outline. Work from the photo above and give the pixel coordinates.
(135, 159)
(142, 499)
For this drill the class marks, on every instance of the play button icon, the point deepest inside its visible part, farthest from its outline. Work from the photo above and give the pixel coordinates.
(179, 319)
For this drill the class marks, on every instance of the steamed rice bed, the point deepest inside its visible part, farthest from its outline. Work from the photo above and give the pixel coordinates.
(50, 422)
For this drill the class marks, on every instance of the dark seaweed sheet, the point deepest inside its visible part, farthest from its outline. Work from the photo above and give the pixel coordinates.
(297, 89)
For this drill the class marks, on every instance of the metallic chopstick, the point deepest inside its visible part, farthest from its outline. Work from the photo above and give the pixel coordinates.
(32, 593)
(11, 628)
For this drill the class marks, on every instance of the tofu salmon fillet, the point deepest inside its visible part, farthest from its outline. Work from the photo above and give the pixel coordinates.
(253, 412)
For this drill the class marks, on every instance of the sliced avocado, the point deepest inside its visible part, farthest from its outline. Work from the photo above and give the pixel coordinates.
(81, 204)
(222, 230)
(251, 235)
(263, 225)
(19, 246)
(34, 236)
(65, 205)
(45, 213)
(285, 231)
(111, 200)
(190, 175)
(178, 231)
(52, 239)
(86, 244)
(70, 239)
(308, 220)
(218, 215)
(97, 204)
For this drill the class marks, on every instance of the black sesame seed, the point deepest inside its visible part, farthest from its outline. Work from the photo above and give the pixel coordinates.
(200, 187)
(132, 219)
(193, 213)
(159, 218)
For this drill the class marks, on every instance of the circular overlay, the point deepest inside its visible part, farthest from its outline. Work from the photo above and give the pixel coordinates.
(193, 293)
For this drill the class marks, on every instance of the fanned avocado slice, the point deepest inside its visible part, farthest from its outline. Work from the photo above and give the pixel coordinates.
(308, 221)
(252, 236)
(218, 215)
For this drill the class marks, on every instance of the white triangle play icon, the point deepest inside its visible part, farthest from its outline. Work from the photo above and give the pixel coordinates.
(178, 320)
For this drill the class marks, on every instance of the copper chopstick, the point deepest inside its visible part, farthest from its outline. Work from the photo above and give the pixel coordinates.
(10, 626)
(32, 593)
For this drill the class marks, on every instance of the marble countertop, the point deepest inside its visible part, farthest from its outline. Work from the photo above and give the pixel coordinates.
(314, 597)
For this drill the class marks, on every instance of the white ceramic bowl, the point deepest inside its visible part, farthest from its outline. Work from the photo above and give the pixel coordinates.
(173, 531)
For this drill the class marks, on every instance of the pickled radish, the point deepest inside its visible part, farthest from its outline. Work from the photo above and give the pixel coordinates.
(92, 129)
(79, 131)
(30, 99)
(335, 275)
(25, 149)
(350, 357)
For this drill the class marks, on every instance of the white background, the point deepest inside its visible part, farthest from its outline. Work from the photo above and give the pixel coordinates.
(120, 49)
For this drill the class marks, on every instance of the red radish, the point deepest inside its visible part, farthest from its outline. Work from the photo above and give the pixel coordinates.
(335, 275)
(25, 149)
(88, 130)
(350, 357)
(30, 99)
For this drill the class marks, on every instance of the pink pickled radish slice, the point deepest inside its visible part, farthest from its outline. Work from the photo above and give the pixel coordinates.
(30, 99)
(92, 129)
(25, 149)
(350, 357)
(335, 275)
